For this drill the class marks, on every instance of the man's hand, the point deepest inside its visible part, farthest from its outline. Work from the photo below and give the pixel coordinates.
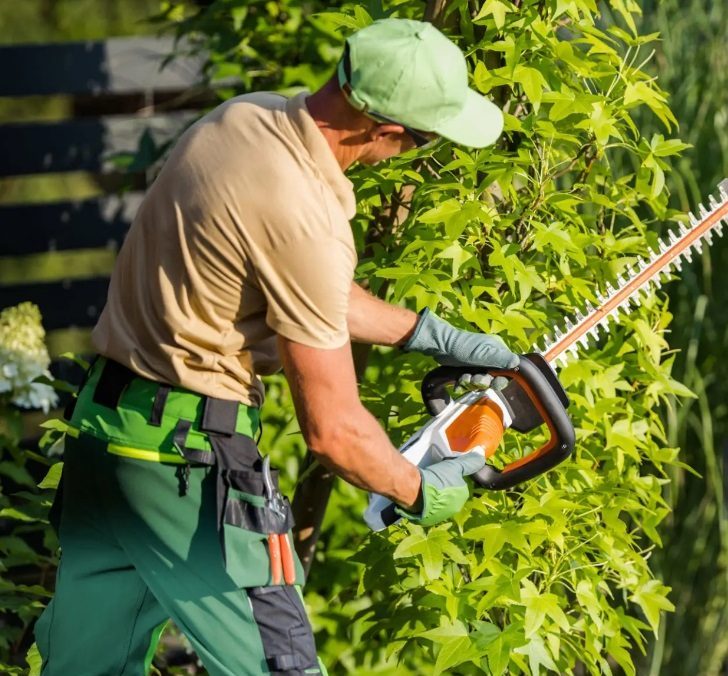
(337, 428)
(454, 347)
(444, 490)
(373, 321)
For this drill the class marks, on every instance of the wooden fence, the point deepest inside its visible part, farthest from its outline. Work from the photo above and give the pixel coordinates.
(59, 253)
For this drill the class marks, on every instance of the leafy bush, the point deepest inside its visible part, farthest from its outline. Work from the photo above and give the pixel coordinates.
(695, 555)
(510, 239)
(27, 544)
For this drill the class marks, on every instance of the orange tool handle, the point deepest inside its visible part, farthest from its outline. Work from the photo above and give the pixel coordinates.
(481, 423)
(289, 566)
(274, 553)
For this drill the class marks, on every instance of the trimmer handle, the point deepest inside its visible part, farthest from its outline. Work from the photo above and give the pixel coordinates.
(535, 379)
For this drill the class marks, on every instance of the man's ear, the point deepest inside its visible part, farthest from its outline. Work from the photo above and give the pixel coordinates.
(387, 129)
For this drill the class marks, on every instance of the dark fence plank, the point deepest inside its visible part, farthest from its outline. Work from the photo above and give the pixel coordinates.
(80, 145)
(33, 228)
(117, 65)
(62, 304)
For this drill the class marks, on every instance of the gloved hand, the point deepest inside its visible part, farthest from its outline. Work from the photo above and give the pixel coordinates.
(454, 347)
(444, 490)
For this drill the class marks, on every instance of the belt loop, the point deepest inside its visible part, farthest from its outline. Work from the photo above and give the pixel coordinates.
(112, 382)
(192, 455)
(285, 662)
(219, 416)
(160, 400)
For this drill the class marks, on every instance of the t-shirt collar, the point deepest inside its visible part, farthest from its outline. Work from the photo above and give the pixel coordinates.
(322, 155)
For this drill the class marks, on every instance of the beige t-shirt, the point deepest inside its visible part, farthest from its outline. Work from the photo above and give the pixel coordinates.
(244, 235)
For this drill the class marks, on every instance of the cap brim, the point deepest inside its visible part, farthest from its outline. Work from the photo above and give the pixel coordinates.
(477, 125)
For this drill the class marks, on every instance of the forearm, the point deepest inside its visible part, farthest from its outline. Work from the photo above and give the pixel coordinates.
(337, 428)
(359, 451)
(373, 321)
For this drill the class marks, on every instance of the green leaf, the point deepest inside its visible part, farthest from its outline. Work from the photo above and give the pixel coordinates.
(484, 634)
(33, 660)
(499, 650)
(535, 608)
(538, 656)
(626, 9)
(495, 535)
(618, 648)
(640, 92)
(457, 255)
(456, 646)
(662, 148)
(452, 653)
(429, 545)
(539, 605)
(441, 213)
(533, 83)
(447, 631)
(17, 514)
(52, 477)
(17, 473)
(495, 8)
(652, 598)
(586, 595)
(602, 123)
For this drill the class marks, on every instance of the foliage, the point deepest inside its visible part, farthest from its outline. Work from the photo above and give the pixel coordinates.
(27, 544)
(695, 556)
(35, 21)
(509, 239)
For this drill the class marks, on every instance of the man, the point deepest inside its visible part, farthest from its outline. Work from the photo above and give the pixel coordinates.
(240, 256)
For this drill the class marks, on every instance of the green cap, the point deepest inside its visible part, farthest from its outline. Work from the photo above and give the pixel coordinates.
(410, 72)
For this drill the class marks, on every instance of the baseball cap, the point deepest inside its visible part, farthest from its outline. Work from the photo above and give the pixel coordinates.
(410, 72)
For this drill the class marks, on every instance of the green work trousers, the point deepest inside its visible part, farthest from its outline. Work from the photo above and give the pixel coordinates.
(141, 543)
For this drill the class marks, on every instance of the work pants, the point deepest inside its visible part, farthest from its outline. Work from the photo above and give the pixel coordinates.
(143, 541)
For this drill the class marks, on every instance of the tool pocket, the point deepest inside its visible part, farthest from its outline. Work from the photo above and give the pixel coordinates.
(244, 518)
(244, 544)
(245, 503)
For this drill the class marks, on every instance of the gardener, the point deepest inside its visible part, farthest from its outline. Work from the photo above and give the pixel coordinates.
(241, 258)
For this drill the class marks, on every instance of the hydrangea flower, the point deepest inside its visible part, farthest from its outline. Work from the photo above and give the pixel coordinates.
(24, 358)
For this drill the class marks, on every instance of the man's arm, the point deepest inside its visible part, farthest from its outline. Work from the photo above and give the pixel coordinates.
(337, 428)
(375, 322)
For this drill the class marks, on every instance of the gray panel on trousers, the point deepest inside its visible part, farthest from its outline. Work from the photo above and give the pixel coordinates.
(60, 226)
(117, 65)
(80, 145)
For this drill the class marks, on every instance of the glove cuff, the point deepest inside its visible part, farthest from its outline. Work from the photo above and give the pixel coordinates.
(421, 515)
(424, 338)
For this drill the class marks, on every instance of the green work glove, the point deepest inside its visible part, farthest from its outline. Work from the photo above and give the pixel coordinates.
(454, 347)
(444, 490)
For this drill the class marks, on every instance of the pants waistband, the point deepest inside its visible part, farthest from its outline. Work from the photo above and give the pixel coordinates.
(218, 415)
(118, 405)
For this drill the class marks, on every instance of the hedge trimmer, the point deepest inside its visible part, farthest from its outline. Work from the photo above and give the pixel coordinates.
(476, 421)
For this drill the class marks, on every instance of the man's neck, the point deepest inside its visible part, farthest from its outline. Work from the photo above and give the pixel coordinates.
(332, 116)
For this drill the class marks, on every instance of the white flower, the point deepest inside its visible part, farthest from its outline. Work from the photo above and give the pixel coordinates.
(24, 358)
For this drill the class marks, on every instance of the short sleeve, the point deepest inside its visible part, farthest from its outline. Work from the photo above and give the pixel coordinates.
(306, 283)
